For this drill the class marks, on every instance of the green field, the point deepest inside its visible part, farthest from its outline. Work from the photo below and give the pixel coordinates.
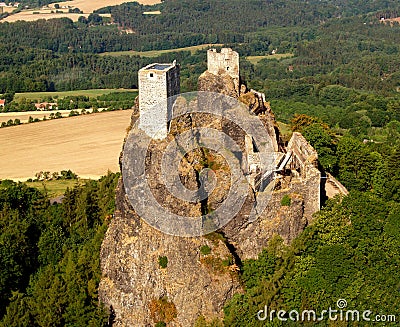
(56, 188)
(255, 59)
(90, 93)
(156, 53)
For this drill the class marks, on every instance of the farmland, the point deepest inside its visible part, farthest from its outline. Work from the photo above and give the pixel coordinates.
(255, 59)
(89, 145)
(32, 15)
(55, 188)
(94, 93)
(86, 7)
(156, 53)
(90, 6)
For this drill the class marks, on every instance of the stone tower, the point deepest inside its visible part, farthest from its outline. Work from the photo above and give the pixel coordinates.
(225, 62)
(157, 83)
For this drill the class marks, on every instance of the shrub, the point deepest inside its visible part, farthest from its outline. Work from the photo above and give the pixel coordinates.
(162, 311)
(215, 238)
(163, 261)
(228, 261)
(216, 264)
(286, 201)
(205, 249)
(68, 174)
(7, 183)
(161, 324)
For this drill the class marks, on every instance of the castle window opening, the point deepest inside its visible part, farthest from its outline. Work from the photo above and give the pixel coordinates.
(151, 75)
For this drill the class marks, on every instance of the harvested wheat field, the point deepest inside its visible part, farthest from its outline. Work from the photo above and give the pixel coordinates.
(90, 6)
(89, 145)
(86, 6)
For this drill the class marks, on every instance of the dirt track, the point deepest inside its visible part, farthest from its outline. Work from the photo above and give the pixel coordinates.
(89, 145)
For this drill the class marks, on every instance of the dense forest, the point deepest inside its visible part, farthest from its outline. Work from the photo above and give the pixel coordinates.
(340, 88)
(351, 252)
(49, 254)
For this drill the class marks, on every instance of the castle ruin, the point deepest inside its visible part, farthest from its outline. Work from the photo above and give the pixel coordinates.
(157, 83)
(224, 62)
(134, 285)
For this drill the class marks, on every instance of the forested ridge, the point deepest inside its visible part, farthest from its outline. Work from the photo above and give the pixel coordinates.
(330, 43)
(340, 89)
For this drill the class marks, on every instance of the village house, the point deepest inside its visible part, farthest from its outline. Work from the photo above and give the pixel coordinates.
(2, 103)
(46, 106)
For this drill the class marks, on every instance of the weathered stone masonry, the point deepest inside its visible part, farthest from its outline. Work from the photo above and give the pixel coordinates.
(157, 83)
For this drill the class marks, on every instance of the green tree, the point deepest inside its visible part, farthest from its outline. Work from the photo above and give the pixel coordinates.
(356, 164)
(324, 141)
(18, 312)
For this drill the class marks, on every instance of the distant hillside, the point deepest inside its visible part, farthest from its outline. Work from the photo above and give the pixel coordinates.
(357, 52)
(236, 16)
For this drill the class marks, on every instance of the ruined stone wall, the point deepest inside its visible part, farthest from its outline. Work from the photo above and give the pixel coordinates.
(224, 63)
(304, 156)
(227, 61)
(304, 161)
(253, 158)
(333, 187)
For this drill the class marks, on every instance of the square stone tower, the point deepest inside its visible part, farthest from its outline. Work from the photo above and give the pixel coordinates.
(157, 82)
(225, 62)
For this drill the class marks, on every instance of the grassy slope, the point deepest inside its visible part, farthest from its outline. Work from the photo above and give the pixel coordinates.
(156, 53)
(56, 187)
(255, 59)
